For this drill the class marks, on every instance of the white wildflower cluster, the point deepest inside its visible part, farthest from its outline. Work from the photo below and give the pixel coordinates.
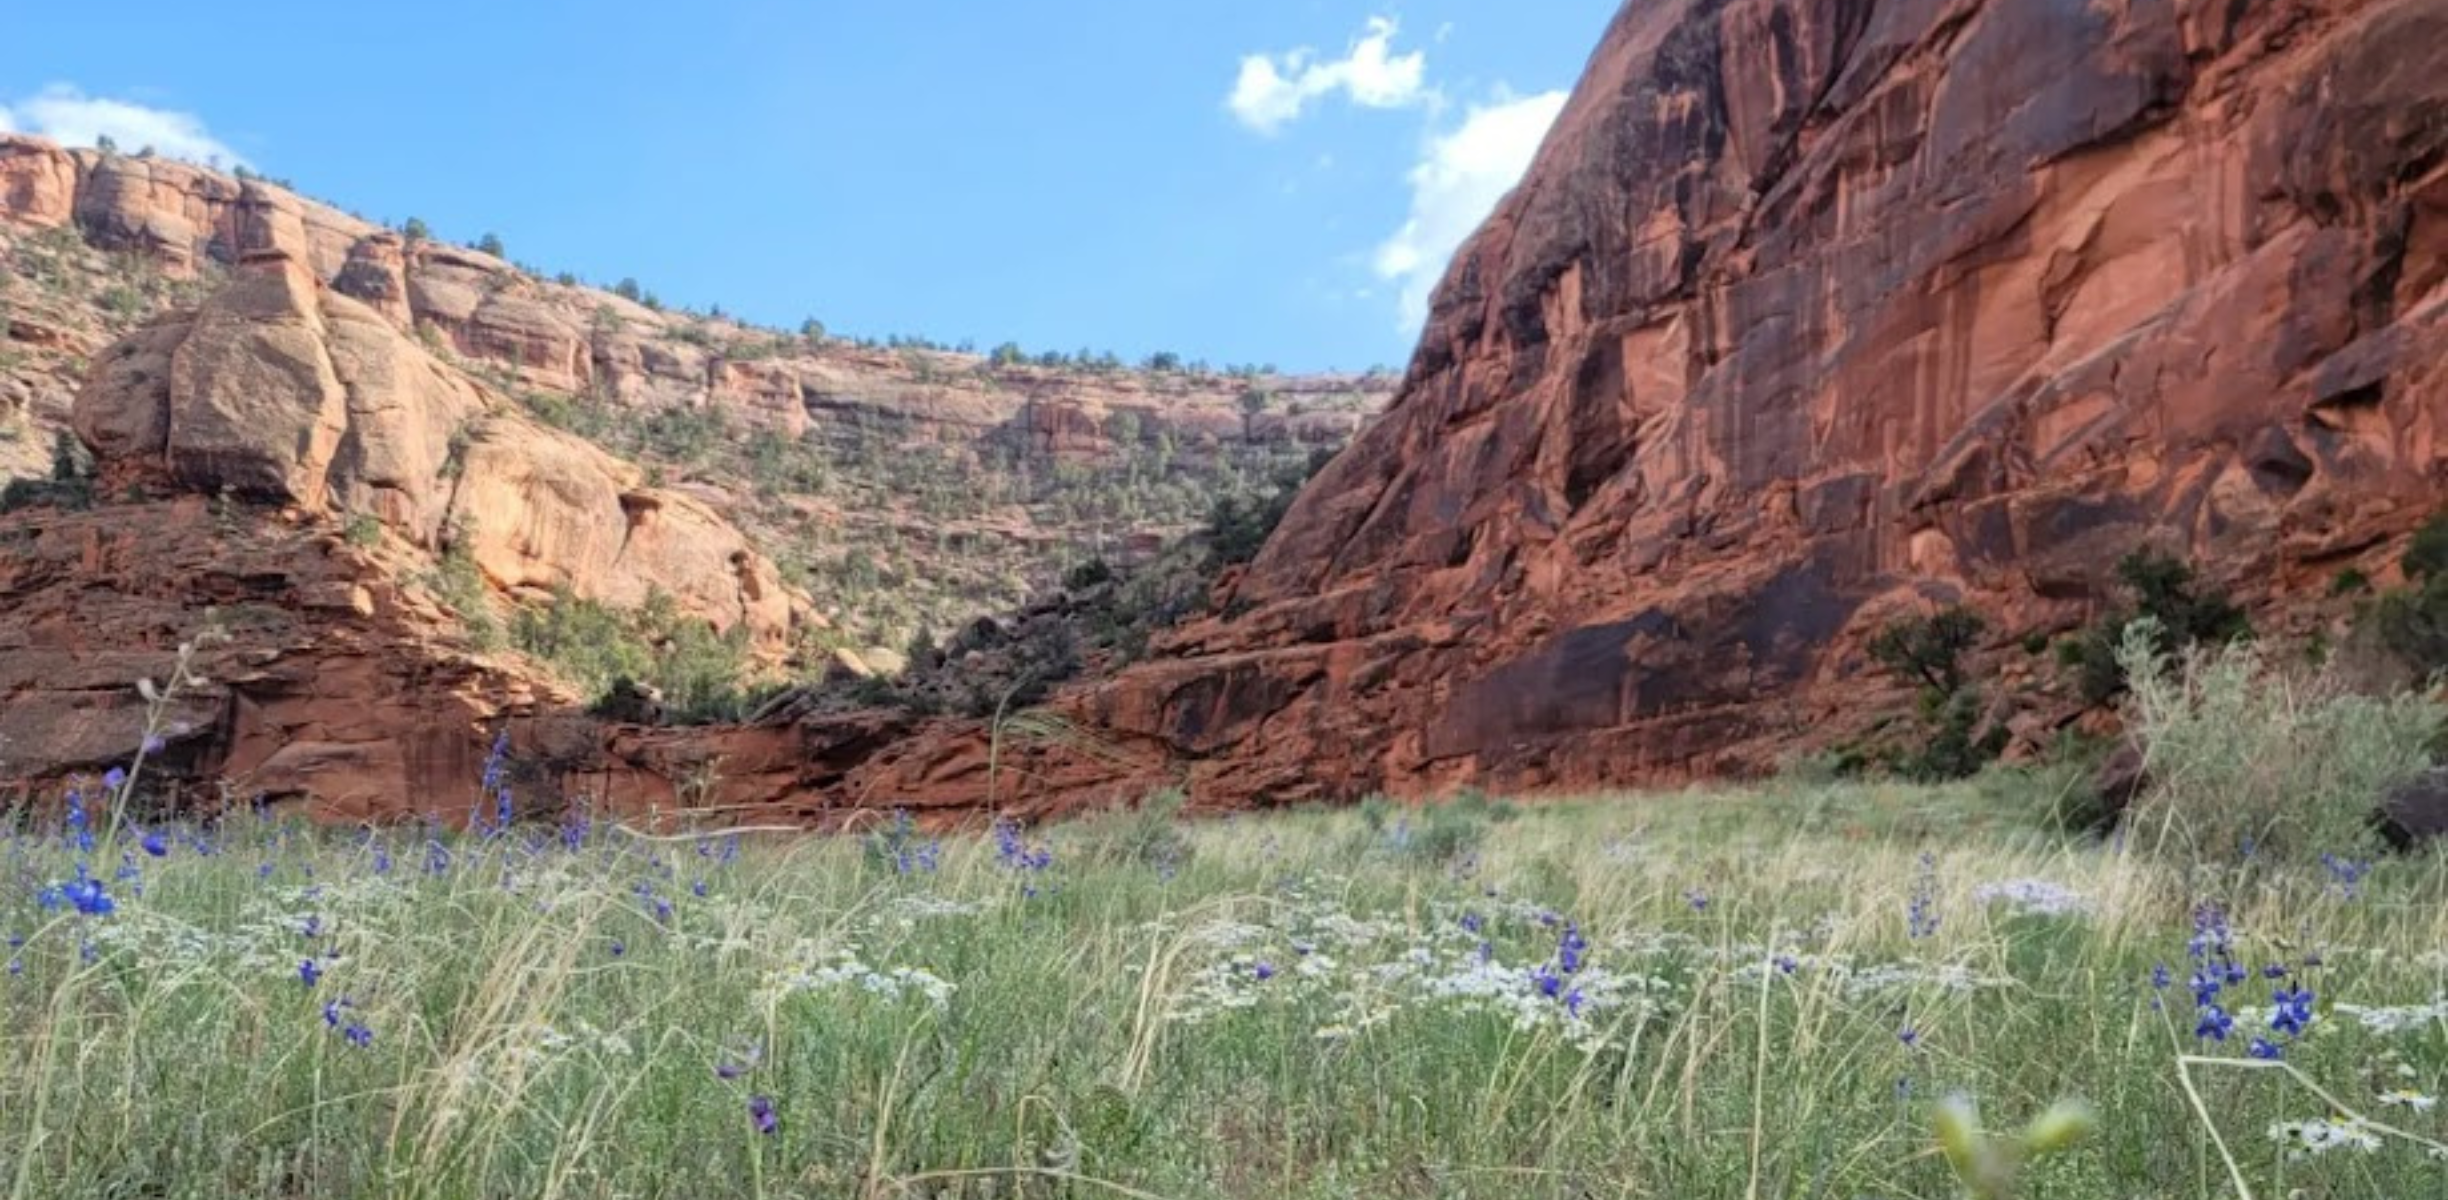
(1357, 972)
(1749, 961)
(2034, 898)
(271, 935)
(1919, 976)
(2408, 1098)
(908, 911)
(846, 973)
(532, 1047)
(726, 925)
(2389, 1019)
(2303, 1139)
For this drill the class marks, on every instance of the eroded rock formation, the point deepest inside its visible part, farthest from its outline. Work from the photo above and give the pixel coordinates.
(568, 338)
(1814, 311)
(281, 391)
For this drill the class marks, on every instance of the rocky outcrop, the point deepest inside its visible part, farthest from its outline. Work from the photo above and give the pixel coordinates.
(566, 338)
(1811, 312)
(280, 391)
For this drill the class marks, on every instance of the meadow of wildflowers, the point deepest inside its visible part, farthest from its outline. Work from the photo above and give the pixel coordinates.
(1768, 993)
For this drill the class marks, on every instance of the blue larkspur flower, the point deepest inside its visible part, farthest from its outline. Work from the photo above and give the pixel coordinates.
(761, 1113)
(358, 1035)
(1262, 971)
(114, 779)
(1548, 983)
(1921, 912)
(2291, 1013)
(309, 972)
(2214, 1024)
(733, 1068)
(2206, 987)
(80, 827)
(1570, 949)
(2265, 1049)
(154, 845)
(83, 893)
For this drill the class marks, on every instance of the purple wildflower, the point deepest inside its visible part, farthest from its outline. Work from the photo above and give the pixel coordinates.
(1921, 913)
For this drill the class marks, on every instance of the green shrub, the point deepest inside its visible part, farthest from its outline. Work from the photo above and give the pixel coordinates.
(364, 529)
(1954, 743)
(2167, 600)
(1955, 739)
(1150, 834)
(2426, 555)
(2409, 626)
(2250, 763)
(1930, 648)
(71, 485)
(700, 674)
(1237, 529)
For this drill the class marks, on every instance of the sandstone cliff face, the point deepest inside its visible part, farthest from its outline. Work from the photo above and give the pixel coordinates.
(1813, 311)
(583, 341)
(280, 391)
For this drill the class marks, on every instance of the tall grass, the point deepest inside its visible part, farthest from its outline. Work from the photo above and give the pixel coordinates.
(2251, 763)
(1290, 1006)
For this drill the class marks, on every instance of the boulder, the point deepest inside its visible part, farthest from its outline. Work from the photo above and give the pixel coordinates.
(2416, 811)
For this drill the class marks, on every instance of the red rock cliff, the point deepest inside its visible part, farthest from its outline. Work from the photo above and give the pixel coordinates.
(1813, 310)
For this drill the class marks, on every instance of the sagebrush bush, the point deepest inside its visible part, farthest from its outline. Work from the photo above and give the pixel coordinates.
(1148, 835)
(2407, 627)
(2250, 763)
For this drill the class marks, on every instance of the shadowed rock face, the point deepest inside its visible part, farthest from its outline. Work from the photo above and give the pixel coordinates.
(1811, 311)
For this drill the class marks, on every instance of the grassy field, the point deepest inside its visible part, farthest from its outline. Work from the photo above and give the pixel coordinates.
(1706, 994)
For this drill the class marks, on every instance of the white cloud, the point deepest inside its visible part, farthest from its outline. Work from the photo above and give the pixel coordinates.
(1273, 88)
(63, 112)
(1459, 179)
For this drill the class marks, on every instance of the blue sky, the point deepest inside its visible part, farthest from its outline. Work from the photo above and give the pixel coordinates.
(1267, 181)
